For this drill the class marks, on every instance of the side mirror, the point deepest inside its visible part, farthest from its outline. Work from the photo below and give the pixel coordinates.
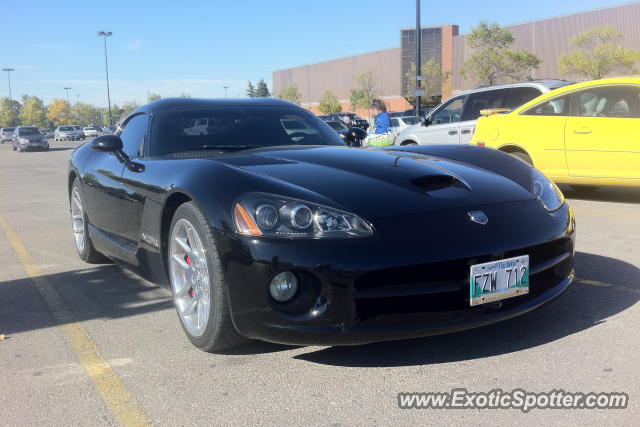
(356, 134)
(425, 121)
(111, 143)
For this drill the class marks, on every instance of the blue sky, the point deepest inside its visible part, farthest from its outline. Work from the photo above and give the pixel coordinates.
(200, 46)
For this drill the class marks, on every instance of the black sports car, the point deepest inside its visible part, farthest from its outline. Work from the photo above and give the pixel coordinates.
(293, 237)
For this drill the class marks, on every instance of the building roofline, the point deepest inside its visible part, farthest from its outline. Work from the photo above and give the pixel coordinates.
(565, 15)
(336, 59)
(430, 26)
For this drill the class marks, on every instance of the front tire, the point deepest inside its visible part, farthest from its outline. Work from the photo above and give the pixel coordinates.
(197, 282)
(80, 225)
(522, 156)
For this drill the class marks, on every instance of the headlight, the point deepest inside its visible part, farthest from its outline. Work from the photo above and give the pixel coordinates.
(23, 140)
(546, 191)
(260, 214)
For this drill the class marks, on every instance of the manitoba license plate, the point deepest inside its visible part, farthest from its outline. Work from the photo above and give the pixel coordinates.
(497, 280)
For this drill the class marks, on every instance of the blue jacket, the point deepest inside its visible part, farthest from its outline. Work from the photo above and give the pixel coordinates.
(382, 122)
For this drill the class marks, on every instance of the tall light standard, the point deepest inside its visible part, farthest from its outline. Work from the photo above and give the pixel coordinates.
(77, 99)
(67, 89)
(106, 34)
(8, 70)
(418, 49)
(225, 90)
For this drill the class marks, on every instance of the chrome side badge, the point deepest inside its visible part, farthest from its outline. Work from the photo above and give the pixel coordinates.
(479, 217)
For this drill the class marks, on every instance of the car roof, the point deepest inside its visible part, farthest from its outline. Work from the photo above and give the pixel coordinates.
(170, 103)
(544, 85)
(578, 86)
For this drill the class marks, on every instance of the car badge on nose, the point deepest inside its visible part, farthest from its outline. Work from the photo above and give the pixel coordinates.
(479, 217)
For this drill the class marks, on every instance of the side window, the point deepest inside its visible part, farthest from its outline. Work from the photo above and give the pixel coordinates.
(554, 107)
(449, 112)
(521, 95)
(394, 123)
(612, 101)
(483, 100)
(133, 134)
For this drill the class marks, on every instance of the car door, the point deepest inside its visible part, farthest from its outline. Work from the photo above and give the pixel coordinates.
(603, 136)
(444, 125)
(133, 135)
(494, 98)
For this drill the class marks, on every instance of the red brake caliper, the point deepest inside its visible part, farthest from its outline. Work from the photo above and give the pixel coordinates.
(188, 261)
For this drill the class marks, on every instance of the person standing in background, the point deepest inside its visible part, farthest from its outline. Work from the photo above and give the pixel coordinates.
(382, 120)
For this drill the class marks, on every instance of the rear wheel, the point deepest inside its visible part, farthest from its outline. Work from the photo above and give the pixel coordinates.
(80, 224)
(408, 143)
(197, 282)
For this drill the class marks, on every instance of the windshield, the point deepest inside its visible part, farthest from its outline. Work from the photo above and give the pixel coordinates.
(29, 131)
(66, 128)
(337, 125)
(231, 128)
(8, 129)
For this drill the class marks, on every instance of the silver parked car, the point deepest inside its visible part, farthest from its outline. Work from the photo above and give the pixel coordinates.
(6, 134)
(47, 132)
(401, 122)
(90, 131)
(29, 138)
(63, 133)
(454, 121)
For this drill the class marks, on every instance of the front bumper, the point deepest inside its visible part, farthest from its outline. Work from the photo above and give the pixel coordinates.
(399, 286)
(34, 145)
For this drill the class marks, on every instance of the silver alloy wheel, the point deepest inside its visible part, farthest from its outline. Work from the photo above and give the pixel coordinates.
(77, 219)
(189, 277)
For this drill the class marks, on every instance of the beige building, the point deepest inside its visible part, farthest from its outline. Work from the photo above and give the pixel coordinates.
(547, 38)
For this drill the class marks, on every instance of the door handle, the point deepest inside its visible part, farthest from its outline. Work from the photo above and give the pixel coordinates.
(453, 132)
(582, 131)
(465, 131)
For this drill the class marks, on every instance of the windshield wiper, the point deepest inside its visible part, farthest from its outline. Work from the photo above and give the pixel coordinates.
(214, 147)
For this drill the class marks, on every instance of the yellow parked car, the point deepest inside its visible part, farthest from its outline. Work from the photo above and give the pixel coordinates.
(586, 133)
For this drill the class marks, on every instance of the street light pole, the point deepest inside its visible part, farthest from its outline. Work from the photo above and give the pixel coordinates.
(106, 34)
(225, 90)
(418, 59)
(67, 89)
(77, 99)
(8, 70)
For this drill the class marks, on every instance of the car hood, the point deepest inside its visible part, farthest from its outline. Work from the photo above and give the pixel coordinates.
(32, 137)
(378, 183)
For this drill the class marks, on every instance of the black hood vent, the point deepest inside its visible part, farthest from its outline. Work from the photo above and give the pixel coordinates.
(431, 183)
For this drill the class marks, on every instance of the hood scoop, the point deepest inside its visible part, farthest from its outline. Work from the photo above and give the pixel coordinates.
(435, 183)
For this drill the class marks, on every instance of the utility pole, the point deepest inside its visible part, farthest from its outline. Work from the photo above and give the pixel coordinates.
(67, 89)
(418, 59)
(8, 70)
(106, 34)
(225, 90)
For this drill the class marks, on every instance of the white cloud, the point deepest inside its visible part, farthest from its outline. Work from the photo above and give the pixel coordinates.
(135, 45)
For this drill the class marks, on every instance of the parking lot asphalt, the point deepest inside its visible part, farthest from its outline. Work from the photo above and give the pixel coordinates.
(96, 345)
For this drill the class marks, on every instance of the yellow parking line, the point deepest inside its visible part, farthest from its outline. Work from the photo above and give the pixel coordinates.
(119, 400)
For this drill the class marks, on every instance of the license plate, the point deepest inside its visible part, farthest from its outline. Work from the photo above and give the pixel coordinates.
(497, 280)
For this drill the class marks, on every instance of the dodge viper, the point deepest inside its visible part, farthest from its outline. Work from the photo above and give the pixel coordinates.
(269, 233)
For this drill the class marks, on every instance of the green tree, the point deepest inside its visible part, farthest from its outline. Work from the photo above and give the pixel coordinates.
(59, 112)
(184, 95)
(598, 53)
(33, 112)
(251, 90)
(329, 103)
(262, 90)
(365, 91)
(86, 114)
(432, 80)
(493, 60)
(291, 94)
(128, 108)
(152, 96)
(9, 112)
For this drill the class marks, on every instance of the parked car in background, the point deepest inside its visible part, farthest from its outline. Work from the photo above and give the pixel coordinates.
(47, 132)
(80, 131)
(587, 133)
(90, 132)
(68, 133)
(454, 121)
(29, 138)
(350, 119)
(398, 123)
(7, 134)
